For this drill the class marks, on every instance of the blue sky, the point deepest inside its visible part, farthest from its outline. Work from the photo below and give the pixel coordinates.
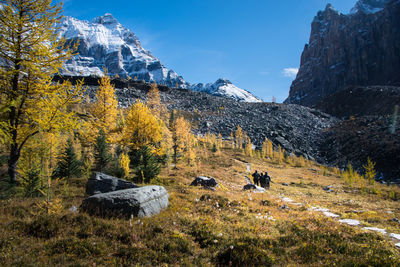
(249, 42)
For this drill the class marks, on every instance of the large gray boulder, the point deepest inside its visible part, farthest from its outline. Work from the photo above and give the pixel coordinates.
(103, 183)
(138, 202)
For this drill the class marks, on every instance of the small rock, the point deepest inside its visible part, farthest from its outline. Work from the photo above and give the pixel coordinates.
(73, 209)
(204, 181)
(284, 207)
(265, 203)
(249, 187)
(328, 188)
(285, 184)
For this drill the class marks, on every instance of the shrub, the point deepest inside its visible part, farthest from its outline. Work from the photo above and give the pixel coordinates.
(244, 253)
(44, 226)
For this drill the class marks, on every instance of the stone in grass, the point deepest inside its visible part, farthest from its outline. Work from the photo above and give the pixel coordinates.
(284, 207)
(253, 187)
(351, 222)
(328, 188)
(103, 183)
(204, 181)
(139, 202)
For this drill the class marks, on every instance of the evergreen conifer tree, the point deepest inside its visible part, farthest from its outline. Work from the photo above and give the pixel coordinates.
(147, 165)
(102, 155)
(68, 164)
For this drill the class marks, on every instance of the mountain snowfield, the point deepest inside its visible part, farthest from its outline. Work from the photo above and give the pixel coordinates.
(105, 44)
(369, 6)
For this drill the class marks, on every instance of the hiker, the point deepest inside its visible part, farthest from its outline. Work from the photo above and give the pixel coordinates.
(267, 180)
(262, 180)
(256, 177)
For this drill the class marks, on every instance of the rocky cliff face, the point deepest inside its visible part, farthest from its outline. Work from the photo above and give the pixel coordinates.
(105, 44)
(361, 48)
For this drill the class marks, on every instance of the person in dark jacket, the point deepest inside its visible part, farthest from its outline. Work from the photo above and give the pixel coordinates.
(262, 181)
(256, 177)
(267, 180)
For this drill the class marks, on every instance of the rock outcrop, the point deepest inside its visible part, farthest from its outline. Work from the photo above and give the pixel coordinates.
(138, 202)
(103, 183)
(361, 101)
(361, 48)
(356, 139)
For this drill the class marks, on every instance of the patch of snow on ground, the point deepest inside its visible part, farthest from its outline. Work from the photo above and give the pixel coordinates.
(286, 199)
(319, 209)
(330, 214)
(297, 204)
(397, 236)
(382, 231)
(351, 222)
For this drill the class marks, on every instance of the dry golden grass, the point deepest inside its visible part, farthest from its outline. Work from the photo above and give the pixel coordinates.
(228, 226)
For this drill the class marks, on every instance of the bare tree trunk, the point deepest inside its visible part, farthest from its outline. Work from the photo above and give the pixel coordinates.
(12, 163)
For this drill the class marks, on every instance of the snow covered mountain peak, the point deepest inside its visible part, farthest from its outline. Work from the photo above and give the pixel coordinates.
(369, 6)
(106, 19)
(104, 44)
(224, 87)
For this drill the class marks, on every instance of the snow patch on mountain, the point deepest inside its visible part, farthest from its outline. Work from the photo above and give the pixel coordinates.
(224, 87)
(369, 6)
(104, 44)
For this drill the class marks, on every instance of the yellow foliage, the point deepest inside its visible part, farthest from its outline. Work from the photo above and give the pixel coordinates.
(181, 138)
(142, 128)
(51, 207)
(370, 171)
(232, 140)
(31, 54)
(105, 109)
(124, 162)
(249, 147)
(239, 137)
(270, 149)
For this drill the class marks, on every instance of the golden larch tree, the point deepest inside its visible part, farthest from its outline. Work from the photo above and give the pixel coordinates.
(249, 147)
(30, 54)
(142, 128)
(153, 99)
(105, 109)
(370, 171)
(180, 137)
(239, 137)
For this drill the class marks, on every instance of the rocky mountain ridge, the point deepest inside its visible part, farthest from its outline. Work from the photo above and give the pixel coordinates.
(296, 128)
(299, 130)
(361, 48)
(105, 44)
